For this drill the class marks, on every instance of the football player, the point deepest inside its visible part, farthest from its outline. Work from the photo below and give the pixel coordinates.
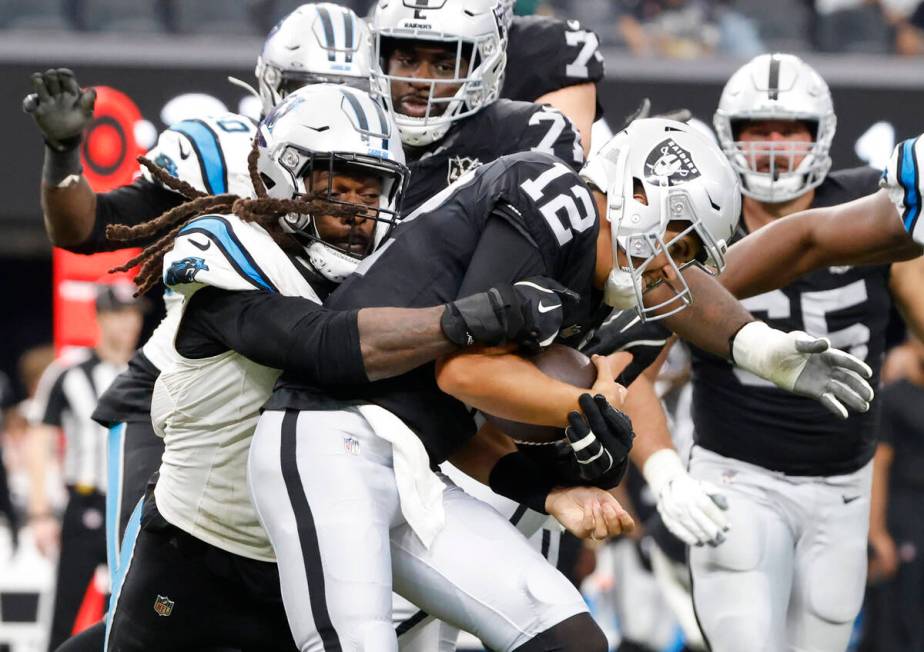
(316, 42)
(797, 482)
(324, 461)
(336, 176)
(572, 66)
(439, 67)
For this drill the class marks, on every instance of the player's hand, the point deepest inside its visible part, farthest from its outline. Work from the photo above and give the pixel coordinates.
(625, 331)
(61, 109)
(600, 440)
(805, 365)
(903, 180)
(692, 510)
(529, 313)
(46, 533)
(588, 512)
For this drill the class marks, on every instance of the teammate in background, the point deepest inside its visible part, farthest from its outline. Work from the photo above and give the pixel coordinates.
(66, 403)
(325, 210)
(798, 482)
(442, 79)
(572, 66)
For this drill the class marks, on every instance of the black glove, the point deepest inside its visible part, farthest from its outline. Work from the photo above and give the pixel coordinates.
(61, 109)
(529, 312)
(623, 330)
(601, 439)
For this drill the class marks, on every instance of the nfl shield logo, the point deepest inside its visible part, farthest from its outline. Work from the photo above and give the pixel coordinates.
(351, 445)
(163, 606)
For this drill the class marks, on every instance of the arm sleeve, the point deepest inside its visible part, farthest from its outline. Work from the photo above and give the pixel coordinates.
(322, 346)
(56, 403)
(131, 205)
(505, 254)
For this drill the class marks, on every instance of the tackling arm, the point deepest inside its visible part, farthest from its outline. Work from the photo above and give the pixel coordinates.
(864, 231)
(905, 282)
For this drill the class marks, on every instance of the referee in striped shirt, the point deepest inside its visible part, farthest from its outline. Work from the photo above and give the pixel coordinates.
(66, 398)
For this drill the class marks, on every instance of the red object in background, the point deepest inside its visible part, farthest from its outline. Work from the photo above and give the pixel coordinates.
(94, 604)
(108, 154)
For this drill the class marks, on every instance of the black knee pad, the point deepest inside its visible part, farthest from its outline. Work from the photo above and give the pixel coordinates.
(576, 634)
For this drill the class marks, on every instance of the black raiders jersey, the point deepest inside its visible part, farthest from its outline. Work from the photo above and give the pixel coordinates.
(744, 417)
(521, 215)
(546, 54)
(503, 127)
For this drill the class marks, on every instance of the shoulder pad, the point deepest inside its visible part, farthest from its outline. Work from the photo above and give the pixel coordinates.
(220, 251)
(209, 153)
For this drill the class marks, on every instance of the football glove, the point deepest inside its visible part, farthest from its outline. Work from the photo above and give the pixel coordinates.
(804, 365)
(61, 109)
(625, 331)
(600, 439)
(530, 312)
(691, 510)
(904, 182)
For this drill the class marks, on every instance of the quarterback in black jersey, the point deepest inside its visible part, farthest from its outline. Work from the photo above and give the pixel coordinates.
(797, 483)
(440, 69)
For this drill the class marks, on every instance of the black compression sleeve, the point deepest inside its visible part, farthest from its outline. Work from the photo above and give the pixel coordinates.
(130, 205)
(504, 255)
(290, 333)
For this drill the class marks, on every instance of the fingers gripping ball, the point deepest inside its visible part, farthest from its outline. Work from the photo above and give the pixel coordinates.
(561, 363)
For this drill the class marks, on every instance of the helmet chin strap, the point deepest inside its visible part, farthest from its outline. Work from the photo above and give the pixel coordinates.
(619, 291)
(620, 286)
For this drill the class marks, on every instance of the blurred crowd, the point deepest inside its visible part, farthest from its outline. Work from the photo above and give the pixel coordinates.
(665, 28)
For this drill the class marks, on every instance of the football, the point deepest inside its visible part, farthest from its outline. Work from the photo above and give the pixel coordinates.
(562, 363)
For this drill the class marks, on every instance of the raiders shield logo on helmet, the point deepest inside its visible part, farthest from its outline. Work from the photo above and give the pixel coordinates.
(671, 161)
(163, 606)
(459, 165)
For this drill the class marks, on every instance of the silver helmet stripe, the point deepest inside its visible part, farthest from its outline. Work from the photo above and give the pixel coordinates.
(328, 25)
(773, 83)
(349, 31)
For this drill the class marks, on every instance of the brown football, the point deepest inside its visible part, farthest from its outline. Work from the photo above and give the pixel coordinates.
(562, 363)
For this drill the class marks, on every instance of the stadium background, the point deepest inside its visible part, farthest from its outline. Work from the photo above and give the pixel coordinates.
(172, 62)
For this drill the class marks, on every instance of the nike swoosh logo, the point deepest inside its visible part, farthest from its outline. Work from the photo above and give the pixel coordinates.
(184, 153)
(203, 247)
(849, 499)
(544, 308)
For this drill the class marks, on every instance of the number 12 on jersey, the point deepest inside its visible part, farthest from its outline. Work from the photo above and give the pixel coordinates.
(568, 210)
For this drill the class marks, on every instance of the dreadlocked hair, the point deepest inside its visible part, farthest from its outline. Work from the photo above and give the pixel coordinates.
(263, 210)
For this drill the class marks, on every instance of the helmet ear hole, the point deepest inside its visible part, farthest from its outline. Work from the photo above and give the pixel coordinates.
(638, 191)
(267, 181)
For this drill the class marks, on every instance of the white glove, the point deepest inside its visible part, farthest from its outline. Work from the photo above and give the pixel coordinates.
(804, 365)
(904, 183)
(691, 510)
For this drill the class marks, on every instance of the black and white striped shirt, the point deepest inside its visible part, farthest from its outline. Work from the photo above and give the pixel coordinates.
(66, 398)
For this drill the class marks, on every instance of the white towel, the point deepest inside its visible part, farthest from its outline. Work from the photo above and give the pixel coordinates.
(419, 489)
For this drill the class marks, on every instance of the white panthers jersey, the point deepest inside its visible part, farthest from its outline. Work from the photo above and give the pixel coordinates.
(206, 409)
(209, 153)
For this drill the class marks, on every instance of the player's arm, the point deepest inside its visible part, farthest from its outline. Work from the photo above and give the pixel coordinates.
(864, 231)
(579, 104)
(506, 385)
(75, 216)
(333, 347)
(906, 279)
(491, 458)
(884, 561)
(794, 361)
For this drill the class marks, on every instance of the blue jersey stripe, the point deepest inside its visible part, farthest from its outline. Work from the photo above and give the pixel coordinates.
(220, 232)
(910, 177)
(208, 149)
(116, 441)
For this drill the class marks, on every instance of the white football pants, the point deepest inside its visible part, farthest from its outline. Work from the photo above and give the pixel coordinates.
(324, 487)
(791, 573)
(417, 630)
